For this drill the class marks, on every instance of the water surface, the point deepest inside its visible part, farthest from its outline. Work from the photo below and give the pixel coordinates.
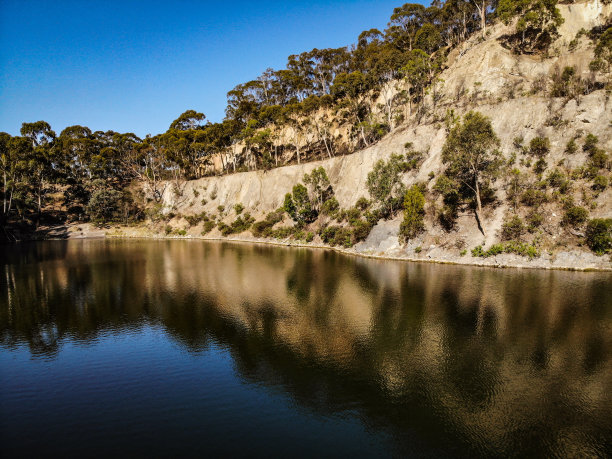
(159, 348)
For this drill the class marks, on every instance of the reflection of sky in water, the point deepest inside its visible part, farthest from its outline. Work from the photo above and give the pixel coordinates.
(216, 346)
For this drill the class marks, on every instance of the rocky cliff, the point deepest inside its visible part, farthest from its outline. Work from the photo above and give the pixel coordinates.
(481, 75)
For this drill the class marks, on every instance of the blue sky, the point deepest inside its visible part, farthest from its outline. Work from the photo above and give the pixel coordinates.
(134, 66)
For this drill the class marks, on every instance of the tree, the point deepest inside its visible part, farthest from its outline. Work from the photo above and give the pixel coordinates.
(428, 38)
(471, 157)
(599, 235)
(298, 205)
(537, 25)
(385, 185)
(319, 185)
(188, 120)
(603, 52)
(352, 87)
(39, 161)
(416, 72)
(414, 211)
(405, 21)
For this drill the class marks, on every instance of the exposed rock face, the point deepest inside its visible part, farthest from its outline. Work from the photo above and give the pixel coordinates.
(498, 84)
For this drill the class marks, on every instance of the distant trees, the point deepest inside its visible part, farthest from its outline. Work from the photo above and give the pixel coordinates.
(301, 111)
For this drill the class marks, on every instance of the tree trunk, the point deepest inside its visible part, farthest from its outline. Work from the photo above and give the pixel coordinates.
(4, 194)
(39, 205)
(479, 208)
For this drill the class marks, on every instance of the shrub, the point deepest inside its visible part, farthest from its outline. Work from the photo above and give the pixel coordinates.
(242, 223)
(534, 221)
(283, 233)
(221, 209)
(575, 215)
(600, 183)
(337, 235)
(263, 228)
(362, 203)
(238, 208)
(598, 160)
(599, 235)
(533, 197)
(360, 230)
(330, 207)
(539, 146)
(208, 226)
(539, 166)
(518, 248)
(571, 147)
(193, 220)
(513, 228)
(105, 205)
(590, 144)
(414, 211)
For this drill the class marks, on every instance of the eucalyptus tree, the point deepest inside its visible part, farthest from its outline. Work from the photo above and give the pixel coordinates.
(471, 156)
(405, 21)
(40, 159)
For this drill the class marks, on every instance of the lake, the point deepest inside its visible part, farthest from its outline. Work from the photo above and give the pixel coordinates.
(195, 348)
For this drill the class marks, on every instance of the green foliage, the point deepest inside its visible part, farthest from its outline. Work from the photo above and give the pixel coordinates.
(513, 228)
(571, 147)
(105, 205)
(263, 228)
(534, 221)
(384, 184)
(330, 207)
(599, 235)
(519, 248)
(533, 197)
(590, 144)
(414, 211)
(539, 146)
(575, 215)
(603, 52)
(471, 156)
(208, 226)
(238, 208)
(600, 183)
(193, 220)
(298, 205)
(566, 83)
(536, 27)
(337, 236)
(362, 204)
(319, 186)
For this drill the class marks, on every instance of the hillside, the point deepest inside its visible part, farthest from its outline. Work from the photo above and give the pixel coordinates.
(496, 83)
(489, 144)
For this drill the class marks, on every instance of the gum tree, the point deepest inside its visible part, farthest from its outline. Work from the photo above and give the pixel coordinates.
(471, 156)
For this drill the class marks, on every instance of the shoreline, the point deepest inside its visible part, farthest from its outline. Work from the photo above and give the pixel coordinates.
(380, 256)
(507, 261)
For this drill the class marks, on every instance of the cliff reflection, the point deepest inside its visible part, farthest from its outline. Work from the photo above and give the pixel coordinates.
(485, 356)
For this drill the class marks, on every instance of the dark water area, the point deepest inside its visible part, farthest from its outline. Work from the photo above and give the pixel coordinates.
(193, 348)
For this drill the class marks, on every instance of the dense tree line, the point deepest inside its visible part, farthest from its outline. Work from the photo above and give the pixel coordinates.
(318, 91)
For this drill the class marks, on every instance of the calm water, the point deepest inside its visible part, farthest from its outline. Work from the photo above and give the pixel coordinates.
(122, 348)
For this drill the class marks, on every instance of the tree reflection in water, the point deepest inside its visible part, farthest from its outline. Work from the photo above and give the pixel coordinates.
(491, 362)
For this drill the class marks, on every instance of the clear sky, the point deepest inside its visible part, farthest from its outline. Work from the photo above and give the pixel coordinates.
(134, 66)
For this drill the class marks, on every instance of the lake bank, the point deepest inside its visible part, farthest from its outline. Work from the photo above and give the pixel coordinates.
(563, 260)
